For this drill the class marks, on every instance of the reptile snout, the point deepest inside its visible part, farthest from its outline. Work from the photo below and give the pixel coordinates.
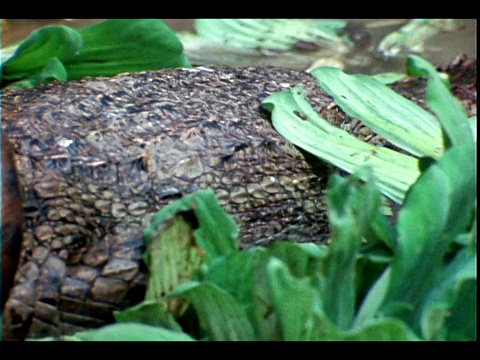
(12, 219)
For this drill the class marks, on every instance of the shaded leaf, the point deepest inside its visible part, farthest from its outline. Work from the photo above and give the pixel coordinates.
(382, 330)
(352, 208)
(153, 313)
(449, 306)
(38, 50)
(220, 315)
(296, 302)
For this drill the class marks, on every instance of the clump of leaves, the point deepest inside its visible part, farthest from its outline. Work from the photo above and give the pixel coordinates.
(389, 114)
(61, 53)
(415, 281)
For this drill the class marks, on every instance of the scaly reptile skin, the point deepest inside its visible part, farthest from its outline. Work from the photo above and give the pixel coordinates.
(98, 157)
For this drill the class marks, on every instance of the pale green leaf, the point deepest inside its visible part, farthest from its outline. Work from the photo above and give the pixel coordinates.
(399, 120)
(295, 119)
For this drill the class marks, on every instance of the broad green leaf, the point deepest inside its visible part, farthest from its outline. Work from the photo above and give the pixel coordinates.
(220, 315)
(104, 49)
(296, 302)
(53, 71)
(295, 119)
(153, 313)
(44, 44)
(126, 45)
(449, 110)
(129, 332)
(436, 209)
(389, 114)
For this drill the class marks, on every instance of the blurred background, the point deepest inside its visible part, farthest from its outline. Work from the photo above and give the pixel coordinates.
(439, 49)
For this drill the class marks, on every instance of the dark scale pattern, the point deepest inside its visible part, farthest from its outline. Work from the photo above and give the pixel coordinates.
(98, 157)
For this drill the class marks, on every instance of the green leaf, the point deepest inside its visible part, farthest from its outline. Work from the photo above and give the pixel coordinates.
(126, 45)
(295, 119)
(302, 260)
(221, 316)
(297, 304)
(173, 257)
(183, 236)
(129, 332)
(352, 208)
(234, 274)
(472, 121)
(153, 313)
(53, 71)
(447, 310)
(389, 114)
(217, 232)
(461, 323)
(38, 50)
(382, 330)
(374, 300)
(449, 110)
(437, 208)
(103, 49)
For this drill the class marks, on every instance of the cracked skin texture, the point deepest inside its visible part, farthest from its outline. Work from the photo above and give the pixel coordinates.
(98, 157)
